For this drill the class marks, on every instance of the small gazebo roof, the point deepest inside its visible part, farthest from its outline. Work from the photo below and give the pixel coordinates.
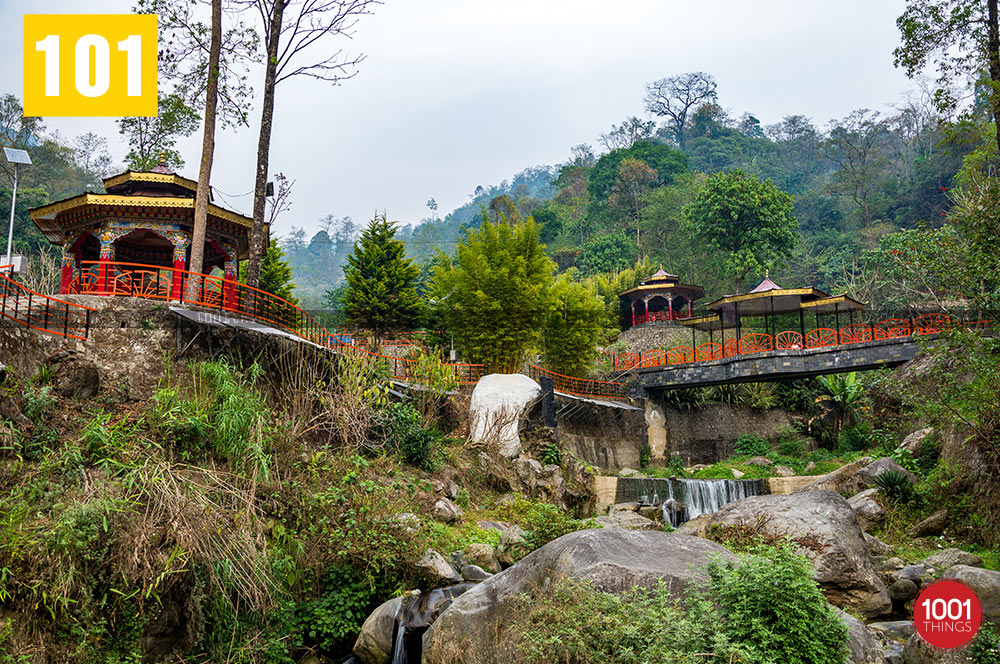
(833, 304)
(661, 282)
(767, 297)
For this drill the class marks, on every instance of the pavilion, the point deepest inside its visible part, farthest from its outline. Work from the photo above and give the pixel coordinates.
(138, 236)
(661, 298)
(767, 301)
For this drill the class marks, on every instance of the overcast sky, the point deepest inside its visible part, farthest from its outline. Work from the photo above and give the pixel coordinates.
(459, 93)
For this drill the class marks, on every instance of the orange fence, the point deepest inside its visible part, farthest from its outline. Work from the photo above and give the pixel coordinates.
(581, 387)
(823, 337)
(42, 312)
(112, 278)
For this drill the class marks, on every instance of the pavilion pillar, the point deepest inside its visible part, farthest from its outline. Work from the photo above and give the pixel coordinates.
(670, 306)
(68, 259)
(177, 277)
(645, 303)
(690, 301)
(107, 256)
(229, 295)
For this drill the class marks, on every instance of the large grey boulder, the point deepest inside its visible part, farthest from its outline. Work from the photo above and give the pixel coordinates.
(824, 526)
(865, 478)
(932, 525)
(864, 647)
(946, 558)
(471, 630)
(374, 644)
(495, 410)
(869, 513)
(918, 652)
(915, 440)
(437, 569)
(628, 520)
(482, 555)
(985, 583)
(446, 511)
(835, 481)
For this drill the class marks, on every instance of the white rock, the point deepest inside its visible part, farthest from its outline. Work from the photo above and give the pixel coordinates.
(497, 405)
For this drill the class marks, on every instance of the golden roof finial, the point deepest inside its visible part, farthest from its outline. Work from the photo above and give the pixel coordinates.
(767, 273)
(162, 157)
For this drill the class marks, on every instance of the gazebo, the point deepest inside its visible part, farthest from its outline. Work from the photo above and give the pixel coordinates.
(767, 301)
(661, 298)
(137, 236)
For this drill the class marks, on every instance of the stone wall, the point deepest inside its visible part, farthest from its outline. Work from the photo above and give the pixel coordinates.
(612, 438)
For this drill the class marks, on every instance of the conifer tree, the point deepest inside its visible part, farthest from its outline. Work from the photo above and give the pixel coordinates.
(276, 274)
(381, 292)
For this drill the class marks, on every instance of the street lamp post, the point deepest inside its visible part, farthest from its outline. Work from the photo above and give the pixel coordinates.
(17, 158)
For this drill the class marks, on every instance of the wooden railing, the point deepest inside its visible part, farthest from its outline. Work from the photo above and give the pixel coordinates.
(113, 278)
(822, 337)
(40, 312)
(581, 387)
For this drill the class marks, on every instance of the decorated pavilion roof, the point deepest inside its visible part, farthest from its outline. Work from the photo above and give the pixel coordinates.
(662, 282)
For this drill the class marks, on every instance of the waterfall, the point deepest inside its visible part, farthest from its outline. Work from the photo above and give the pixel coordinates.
(398, 647)
(682, 499)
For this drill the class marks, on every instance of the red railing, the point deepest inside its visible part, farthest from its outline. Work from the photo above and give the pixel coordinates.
(823, 337)
(660, 316)
(112, 278)
(581, 387)
(42, 312)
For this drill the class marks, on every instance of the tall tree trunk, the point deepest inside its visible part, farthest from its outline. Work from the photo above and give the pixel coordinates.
(993, 45)
(207, 154)
(264, 146)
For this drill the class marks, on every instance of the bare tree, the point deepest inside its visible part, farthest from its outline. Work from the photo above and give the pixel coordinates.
(90, 152)
(281, 201)
(674, 97)
(628, 133)
(291, 29)
(856, 146)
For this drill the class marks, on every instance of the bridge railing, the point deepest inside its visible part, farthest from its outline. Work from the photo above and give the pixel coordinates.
(821, 337)
(44, 313)
(581, 387)
(115, 278)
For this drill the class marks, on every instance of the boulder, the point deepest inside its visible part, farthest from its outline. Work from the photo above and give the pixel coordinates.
(945, 558)
(628, 472)
(918, 652)
(374, 643)
(863, 646)
(811, 466)
(475, 573)
(763, 462)
(903, 590)
(915, 440)
(737, 474)
(869, 513)
(498, 402)
(824, 526)
(877, 547)
(482, 555)
(835, 481)
(783, 471)
(932, 525)
(512, 546)
(73, 375)
(437, 569)
(865, 478)
(893, 630)
(451, 489)
(628, 520)
(446, 511)
(918, 574)
(497, 472)
(985, 583)
(537, 479)
(407, 522)
(654, 512)
(471, 630)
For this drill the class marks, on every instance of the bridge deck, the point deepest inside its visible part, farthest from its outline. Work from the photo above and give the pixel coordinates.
(775, 365)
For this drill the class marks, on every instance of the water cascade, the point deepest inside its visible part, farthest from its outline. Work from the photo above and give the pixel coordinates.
(683, 499)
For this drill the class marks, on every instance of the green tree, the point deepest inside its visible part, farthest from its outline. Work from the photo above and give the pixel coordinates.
(961, 38)
(572, 326)
(276, 277)
(842, 395)
(607, 253)
(150, 139)
(635, 179)
(494, 292)
(381, 290)
(752, 221)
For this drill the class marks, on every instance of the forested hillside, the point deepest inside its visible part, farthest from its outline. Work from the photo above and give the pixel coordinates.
(854, 179)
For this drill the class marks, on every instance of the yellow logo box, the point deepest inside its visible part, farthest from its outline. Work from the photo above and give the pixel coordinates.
(90, 64)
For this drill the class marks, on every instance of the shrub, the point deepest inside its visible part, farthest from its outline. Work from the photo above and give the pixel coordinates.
(759, 396)
(37, 401)
(986, 648)
(750, 444)
(895, 485)
(685, 398)
(552, 454)
(767, 609)
(790, 443)
(398, 428)
(542, 522)
(854, 438)
(645, 452)
(770, 603)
